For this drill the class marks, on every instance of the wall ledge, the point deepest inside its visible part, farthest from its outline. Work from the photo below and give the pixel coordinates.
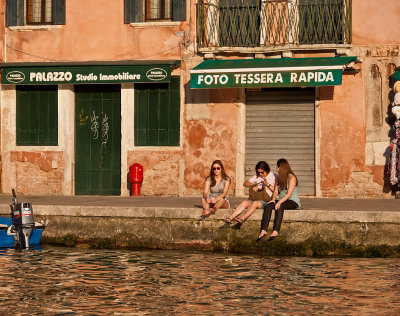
(27, 28)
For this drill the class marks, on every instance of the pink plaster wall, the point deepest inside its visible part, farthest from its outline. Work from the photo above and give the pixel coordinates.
(95, 30)
(35, 173)
(160, 171)
(342, 112)
(212, 139)
(2, 27)
(375, 22)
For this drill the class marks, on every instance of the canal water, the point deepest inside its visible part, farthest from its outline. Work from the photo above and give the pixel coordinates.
(70, 281)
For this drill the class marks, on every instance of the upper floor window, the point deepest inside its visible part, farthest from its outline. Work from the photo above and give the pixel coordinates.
(38, 11)
(35, 12)
(158, 9)
(154, 10)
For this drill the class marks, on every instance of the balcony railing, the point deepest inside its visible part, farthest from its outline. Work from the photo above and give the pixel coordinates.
(266, 23)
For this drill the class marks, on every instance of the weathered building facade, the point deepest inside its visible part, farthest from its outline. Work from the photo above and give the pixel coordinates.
(89, 89)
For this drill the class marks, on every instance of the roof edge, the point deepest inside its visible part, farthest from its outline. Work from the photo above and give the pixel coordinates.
(174, 63)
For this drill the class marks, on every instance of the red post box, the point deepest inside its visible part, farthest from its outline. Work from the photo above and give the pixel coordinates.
(135, 178)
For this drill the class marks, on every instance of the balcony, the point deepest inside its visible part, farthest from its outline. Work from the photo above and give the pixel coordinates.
(268, 25)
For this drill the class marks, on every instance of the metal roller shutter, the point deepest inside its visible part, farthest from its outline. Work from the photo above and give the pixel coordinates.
(280, 124)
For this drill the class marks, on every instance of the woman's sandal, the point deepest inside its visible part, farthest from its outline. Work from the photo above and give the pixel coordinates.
(227, 220)
(272, 237)
(238, 224)
(259, 238)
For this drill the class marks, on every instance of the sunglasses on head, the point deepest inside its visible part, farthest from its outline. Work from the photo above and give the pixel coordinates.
(216, 168)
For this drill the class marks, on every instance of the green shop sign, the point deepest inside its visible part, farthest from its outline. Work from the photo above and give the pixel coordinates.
(269, 72)
(85, 74)
(266, 79)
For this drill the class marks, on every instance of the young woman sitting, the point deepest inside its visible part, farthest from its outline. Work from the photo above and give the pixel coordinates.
(215, 190)
(287, 199)
(264, 179)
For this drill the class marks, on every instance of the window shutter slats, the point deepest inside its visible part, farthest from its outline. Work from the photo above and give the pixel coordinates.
(15, 13)
(58, 11)
(178, 10)
(11, 13)
(133, 11)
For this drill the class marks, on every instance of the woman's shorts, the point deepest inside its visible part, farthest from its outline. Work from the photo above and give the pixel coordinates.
(263, 203)
(229, 203)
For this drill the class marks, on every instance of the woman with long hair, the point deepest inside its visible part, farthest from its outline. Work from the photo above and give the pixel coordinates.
(288, 199)
(264, 179)
(215, 189)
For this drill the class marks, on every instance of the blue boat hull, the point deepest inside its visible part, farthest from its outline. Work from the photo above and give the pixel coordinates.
(7, 241)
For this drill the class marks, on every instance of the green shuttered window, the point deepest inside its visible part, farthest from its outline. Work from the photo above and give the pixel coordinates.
(134, 10)
(22, 12)
(157, 114)
(37, 116)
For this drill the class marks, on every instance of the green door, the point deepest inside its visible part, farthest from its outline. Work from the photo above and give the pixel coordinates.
(98, 139)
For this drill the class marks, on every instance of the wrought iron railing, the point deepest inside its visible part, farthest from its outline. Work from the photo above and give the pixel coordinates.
(261, 23)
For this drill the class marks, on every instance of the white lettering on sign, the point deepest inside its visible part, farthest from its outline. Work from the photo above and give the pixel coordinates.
(15, 76)
(258, 78)
(119, 76)
(212, 79)
(52, 76)
(265, 78)
(90, 77)
(156, 74)
(317, 76)
(278, 77)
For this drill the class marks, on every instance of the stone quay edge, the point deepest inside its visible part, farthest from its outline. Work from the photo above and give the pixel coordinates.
(323, 227)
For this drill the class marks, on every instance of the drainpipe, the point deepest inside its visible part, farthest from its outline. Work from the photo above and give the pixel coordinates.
(195, 25)
(5, 42)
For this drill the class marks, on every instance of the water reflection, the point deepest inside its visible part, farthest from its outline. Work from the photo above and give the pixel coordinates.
(64, 281)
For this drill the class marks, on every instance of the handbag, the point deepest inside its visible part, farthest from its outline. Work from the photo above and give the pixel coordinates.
(261, 195)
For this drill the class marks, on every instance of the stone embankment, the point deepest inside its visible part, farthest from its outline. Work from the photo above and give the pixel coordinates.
(323, 227)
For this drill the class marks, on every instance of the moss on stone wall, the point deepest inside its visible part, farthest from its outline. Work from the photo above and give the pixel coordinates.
(296, 238)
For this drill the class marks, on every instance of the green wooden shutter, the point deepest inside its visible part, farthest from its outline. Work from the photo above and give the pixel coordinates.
(133, 11)
(37, 116)
(174, 112)
(58, 11)
(15, 12)
(157, 114)
(178, 10)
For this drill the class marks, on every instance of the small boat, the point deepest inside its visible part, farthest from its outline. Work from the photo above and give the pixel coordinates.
(20, 230)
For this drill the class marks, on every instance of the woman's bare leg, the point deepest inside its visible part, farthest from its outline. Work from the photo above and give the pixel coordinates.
(242, 206)
(250, 210)
(205, 205)
(220, 204)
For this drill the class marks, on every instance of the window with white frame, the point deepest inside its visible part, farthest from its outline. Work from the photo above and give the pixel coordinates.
(35, 12)
(158, 10)
(38, 12)
(136, 11)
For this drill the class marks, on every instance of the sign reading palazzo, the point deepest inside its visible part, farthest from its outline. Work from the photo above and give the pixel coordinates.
(85, 74)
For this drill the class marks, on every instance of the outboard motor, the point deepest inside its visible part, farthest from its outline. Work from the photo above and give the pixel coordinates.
(22, 221)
